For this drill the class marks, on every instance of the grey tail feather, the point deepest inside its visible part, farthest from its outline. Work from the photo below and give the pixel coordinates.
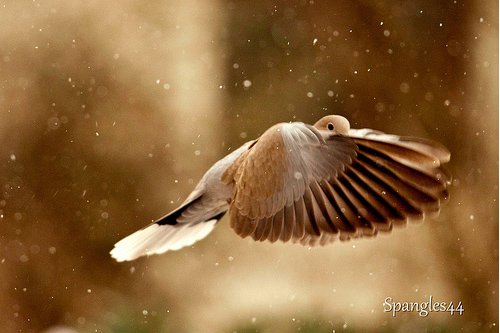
(166, 234)
(218, 216)
(171, 218)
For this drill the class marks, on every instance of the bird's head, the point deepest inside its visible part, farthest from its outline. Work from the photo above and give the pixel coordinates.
(333, 123)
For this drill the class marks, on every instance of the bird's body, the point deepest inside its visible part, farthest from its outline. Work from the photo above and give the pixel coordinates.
(306, 184)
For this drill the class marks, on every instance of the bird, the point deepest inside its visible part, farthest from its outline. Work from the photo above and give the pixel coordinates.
(306, 184)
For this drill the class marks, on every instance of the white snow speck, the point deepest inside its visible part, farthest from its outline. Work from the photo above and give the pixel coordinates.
(12, 157)
(310, 94)
(387, 33)
(315, 40)
(53, 123)
(247, 83)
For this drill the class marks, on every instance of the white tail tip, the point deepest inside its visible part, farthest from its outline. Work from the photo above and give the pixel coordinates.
(157, 239)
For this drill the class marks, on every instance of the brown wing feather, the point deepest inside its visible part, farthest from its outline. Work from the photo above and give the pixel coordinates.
(307, 186)
(289, 223)
(300, 216)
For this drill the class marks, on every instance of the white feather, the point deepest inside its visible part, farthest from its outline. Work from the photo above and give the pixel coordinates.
(157, 239)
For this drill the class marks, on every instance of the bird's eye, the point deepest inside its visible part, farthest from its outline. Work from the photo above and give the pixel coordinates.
(330, 126)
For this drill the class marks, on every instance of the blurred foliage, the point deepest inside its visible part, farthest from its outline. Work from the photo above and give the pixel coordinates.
(111, 111)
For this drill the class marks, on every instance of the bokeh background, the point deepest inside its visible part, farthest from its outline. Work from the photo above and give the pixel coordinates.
(110, 112)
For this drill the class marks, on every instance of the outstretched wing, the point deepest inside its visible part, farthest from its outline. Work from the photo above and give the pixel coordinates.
(309, 186)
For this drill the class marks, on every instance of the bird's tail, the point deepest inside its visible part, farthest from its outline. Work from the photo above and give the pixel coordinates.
(164, 235)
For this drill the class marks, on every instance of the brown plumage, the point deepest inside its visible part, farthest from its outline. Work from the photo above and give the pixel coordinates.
(356, 183)
(307, 184)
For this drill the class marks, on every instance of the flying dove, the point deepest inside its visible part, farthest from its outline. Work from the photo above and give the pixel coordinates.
(306, 184)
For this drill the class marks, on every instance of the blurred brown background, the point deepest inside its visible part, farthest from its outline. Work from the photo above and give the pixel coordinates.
(110, 112)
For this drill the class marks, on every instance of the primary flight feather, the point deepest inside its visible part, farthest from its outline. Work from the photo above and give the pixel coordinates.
(306, 184)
